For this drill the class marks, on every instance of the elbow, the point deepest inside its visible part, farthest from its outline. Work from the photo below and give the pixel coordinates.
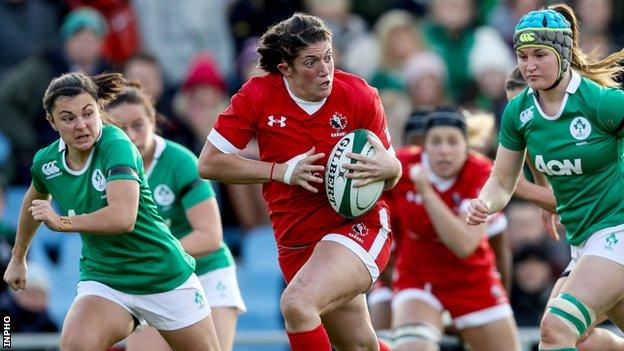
(205, 170)
(466, 251)
(127, 223)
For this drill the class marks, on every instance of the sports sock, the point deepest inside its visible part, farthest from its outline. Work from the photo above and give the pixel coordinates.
(312, 340)
(383, 346)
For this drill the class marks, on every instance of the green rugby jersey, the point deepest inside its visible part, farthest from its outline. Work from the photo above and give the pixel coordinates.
(176, 187)
(145, 261)
(579, 151)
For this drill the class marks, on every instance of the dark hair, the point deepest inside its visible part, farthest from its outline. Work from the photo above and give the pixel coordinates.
(133, 94)
(103, 88)
(445, 116)
(515, 80)
(602, 72)
(283, 42)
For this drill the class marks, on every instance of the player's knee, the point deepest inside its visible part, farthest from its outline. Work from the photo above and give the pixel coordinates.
(417, 336)
(296, 306)
(565, 320)
(76, 341)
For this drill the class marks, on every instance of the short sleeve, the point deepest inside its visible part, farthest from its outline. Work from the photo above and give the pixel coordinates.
(190, 188)
(374, 118)
(121, 152)
(510, 136)
(611, 113)
(236, 126)
(37, 183)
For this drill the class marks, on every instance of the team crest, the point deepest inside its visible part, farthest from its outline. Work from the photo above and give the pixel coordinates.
(163, 195)
(580, 128)
(98, 180)
(51, 170)
(339, 123)
(359, 229)
(526, 115)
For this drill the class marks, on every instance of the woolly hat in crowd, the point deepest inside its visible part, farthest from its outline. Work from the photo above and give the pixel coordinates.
(81, 18)
(203, 70)
(490, 53)
(424, 64)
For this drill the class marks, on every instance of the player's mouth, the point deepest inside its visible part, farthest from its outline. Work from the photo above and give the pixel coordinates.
(82, 138)
(326, 84)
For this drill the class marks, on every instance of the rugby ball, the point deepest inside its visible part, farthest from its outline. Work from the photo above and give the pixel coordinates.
(348, 201)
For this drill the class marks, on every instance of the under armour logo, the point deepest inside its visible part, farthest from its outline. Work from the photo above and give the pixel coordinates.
(281, 121)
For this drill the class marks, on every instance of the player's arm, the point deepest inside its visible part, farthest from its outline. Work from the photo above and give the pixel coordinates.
(501, 184)
(207, 232)
(539, 193)
(503, 256)
(232, 168)
(15, 274)
(118, 217)
(452, 230)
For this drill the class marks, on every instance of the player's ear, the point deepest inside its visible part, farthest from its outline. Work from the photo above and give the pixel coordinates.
(51, 121)
(285, 69)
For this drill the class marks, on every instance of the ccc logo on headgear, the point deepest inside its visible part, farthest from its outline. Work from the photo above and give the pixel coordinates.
(527, 37)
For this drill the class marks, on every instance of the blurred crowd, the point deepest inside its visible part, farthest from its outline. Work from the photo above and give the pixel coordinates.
(192, 55)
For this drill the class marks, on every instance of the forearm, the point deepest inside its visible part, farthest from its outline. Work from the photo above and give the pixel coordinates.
(26, 229)
(503, 259)
(200, 243)
(451, 230)
(109, 220)
(542, 196)
(495, 194)
(230, 168)
(397, 171)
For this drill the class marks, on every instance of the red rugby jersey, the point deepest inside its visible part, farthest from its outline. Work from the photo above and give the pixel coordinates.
(263, 108)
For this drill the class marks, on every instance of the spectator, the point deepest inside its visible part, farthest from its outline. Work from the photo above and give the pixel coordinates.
(23, 123)
(27, 27)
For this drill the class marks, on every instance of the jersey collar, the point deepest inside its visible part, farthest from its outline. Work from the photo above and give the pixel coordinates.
(310, 107)
(159, 147)
(572, 87)
(62, 145)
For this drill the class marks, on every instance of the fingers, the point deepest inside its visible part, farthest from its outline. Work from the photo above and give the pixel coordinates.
(477, 212)
(375, 142)
(304, 184)
(315, 157)
(311, 151)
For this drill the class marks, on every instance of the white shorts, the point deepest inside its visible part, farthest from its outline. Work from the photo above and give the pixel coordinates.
(170, 310)
(221, 288)
(607, 243)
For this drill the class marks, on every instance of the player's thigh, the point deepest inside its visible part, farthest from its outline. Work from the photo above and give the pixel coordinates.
(331, 277)
(557, 287)
(224, 319)
(95, 322)
(597, 282)
(353, 314)
(494, 336)
(147, 339)
(616, 314)
(195, 337)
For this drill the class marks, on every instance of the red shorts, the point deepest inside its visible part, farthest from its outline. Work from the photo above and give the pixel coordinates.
(368, 237)
(477, 301)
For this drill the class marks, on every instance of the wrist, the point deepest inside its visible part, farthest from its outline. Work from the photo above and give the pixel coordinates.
(279, 171)
(19, 251)
(65, 224)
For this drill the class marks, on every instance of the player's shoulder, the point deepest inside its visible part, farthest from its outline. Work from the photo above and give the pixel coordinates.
(177, 151)
(477, 163)
(48, 153)
(352, 84)
(409, 154)
(259, 85)
(112, 133)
